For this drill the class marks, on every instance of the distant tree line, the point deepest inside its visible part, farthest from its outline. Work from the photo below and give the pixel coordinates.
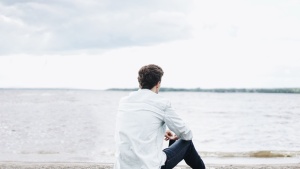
(221, 90)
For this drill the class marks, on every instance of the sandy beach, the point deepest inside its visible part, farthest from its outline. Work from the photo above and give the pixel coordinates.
(32, 165)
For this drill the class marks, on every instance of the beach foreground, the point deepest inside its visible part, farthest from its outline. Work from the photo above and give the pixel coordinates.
(29, 165)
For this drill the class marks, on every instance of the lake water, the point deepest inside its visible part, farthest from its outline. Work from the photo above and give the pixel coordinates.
(78, 125)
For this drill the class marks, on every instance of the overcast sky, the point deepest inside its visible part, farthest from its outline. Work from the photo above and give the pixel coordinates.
(102, 44)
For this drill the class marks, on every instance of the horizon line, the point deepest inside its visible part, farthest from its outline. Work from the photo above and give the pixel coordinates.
(133, 88)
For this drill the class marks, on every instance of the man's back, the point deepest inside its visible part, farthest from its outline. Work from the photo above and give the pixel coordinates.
(140, 130)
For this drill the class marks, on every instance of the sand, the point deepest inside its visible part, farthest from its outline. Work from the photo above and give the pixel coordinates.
(32, 165)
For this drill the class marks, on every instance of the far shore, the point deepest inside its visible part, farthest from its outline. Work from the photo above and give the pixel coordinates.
(68, 165)
(220, 90)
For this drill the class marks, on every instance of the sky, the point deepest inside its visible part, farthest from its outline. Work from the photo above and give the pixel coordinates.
(94, 44)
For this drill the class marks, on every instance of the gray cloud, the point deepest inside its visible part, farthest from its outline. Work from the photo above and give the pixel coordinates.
(37, 26)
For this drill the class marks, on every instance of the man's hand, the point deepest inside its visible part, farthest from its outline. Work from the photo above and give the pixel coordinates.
(169, 135)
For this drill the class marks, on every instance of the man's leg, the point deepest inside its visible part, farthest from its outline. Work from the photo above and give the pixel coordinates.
(182, 149)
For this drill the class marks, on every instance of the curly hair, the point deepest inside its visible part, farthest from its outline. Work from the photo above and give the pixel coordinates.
(149, 76)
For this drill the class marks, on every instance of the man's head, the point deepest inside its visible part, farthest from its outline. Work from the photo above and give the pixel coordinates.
(150, 76)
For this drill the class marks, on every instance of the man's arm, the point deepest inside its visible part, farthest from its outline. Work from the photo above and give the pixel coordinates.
(176, 124)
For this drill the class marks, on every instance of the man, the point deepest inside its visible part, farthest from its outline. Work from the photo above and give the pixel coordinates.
(141, 127)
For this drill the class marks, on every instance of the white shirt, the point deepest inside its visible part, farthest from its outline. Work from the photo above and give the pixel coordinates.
(140, 127)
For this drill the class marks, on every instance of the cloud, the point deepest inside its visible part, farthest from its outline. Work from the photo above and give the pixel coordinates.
(47, 26)
(249, 19)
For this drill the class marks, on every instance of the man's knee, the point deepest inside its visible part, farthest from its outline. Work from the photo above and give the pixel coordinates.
(188, 141)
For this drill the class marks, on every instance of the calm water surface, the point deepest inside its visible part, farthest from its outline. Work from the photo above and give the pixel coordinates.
(78, 125)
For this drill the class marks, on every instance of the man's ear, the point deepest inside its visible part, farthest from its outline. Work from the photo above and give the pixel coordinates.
(158, 84)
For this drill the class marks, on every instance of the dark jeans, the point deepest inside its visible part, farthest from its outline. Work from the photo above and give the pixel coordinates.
(182, 149)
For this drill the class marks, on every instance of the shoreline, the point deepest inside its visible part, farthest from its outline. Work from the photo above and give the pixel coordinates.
(90, 165)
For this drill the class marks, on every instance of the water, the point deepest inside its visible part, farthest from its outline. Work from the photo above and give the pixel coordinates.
(78, 125)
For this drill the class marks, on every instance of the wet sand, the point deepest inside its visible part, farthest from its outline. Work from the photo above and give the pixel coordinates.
(29, 165)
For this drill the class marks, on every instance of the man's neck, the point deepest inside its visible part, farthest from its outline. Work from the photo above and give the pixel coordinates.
(155, 90)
